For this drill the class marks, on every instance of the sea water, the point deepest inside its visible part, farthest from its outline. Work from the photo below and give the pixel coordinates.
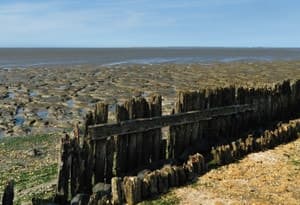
(24, 57)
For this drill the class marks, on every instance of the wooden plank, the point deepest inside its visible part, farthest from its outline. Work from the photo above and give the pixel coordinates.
(8, 195)
(75, 164)
(100, 116)
(132, 107)
(86, 168)
(194, 129)
(146, 144)
(195, 132)
(180, 138)
(141, 125)
(177, 132)
(88, 155)
(132, 151)
(142, 111)
(89, 120)
(100, 154)
(64, 169)
(187, 134)
(120, 163)
(173, 141)
(188, 101)
(110, 150)
(101, 113)
(201, 106)
(155, 135)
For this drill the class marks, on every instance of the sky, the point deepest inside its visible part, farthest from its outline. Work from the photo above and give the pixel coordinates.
(149, 23)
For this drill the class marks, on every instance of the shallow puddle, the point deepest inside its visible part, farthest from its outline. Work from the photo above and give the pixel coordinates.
(62, 87)
(9, 95)
(70, 103)
(19, 118)
(43, 114)
(144, 95)
(32, 93)
(112, 108)
(82, 112)
(2, 133)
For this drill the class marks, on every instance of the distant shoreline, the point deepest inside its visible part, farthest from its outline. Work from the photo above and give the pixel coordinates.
(155, 47)
(129, 64)
(38, 57)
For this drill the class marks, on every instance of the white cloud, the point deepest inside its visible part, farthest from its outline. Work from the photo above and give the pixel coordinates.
(32, 19)
(25, 8)
(62, 21)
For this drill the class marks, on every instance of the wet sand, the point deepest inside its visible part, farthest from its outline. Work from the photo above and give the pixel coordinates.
(51, 99)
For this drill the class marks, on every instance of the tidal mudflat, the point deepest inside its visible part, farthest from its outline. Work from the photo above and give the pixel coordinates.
(49, 99)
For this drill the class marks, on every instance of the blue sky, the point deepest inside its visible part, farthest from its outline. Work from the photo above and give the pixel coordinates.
(131, 23)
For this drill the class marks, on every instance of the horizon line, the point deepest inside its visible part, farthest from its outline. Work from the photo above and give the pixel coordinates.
(137, 47)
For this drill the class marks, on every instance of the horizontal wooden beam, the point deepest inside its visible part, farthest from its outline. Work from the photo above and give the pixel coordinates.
(101, 131)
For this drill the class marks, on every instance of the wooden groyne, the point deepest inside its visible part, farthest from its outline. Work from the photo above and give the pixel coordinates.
(105, 163)
(146, 184)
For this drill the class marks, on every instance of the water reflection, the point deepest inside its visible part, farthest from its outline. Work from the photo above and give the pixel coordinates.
(19, 118)
(32, 93)
(70, 103)
(43, 114)
(9, 95)
(2, 133)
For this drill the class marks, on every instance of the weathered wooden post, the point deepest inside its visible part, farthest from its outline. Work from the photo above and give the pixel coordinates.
(297, 97)
(75, 165)
(88, 157)
(155, 106)
(142, 110)
(64, 171)
(120, 162)
(178, 135)
(8, 195)
(132, 190)
(182, 136)
(100, 149)
(117, 191)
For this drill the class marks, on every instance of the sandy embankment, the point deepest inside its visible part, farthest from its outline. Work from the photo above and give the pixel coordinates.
(270, 177)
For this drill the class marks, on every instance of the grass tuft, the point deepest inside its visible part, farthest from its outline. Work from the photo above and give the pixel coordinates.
(33, 175)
